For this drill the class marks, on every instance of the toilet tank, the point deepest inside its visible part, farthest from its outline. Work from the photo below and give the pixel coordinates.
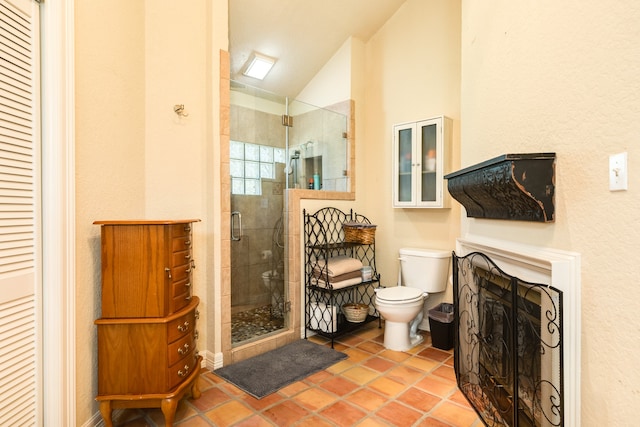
(426, 269)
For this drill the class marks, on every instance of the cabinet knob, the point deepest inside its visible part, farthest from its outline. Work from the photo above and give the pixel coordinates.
(184, 349)
(187, 227)
(184, 327)
(184, 373)
(168, 271)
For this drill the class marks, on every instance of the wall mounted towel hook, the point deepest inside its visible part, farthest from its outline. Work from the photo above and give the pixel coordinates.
(179, 110)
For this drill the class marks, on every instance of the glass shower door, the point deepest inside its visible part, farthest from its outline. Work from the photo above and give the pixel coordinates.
(275, 144)
(257, 158)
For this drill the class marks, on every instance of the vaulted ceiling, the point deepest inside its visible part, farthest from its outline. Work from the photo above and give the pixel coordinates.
(302, 34)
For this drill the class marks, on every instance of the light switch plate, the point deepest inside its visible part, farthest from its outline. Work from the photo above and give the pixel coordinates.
(618, 172)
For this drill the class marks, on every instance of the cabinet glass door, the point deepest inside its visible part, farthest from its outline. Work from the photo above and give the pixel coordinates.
(420, 158)
(428, 169)
(405, 157)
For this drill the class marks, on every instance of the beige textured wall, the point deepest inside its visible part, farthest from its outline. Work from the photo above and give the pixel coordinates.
(534, 77)
(412, 72)
(550, 76)
(178, 70)
(110, 99)
(134, 157)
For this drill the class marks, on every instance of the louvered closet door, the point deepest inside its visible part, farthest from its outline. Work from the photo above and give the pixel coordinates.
(20, 228)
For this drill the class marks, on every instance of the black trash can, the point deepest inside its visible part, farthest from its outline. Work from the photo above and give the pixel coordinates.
(441, 324)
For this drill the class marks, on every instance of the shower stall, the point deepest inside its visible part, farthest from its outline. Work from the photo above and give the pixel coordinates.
(276, 144)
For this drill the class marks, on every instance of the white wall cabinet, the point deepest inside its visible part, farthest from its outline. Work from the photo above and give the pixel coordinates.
(421, 153)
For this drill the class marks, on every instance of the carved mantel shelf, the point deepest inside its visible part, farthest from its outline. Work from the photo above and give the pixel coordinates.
(511, 186)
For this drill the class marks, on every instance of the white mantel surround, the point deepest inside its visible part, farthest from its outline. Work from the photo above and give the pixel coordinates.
(558, 268)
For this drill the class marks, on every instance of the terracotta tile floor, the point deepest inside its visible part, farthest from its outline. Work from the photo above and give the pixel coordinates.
(372, 387)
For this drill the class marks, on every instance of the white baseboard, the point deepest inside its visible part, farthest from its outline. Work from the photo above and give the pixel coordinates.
(211, 360)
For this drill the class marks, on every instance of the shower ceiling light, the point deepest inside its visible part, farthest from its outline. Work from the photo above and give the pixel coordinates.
(259, 66)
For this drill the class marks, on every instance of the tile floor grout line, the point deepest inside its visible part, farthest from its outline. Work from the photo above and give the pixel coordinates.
(361, 348)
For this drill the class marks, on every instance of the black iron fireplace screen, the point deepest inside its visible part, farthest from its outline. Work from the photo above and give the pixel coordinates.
(508, 347)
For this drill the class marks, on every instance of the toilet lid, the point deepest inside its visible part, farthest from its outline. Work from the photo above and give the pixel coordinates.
(399, 293)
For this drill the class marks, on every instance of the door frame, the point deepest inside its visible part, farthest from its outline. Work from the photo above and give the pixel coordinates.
(57, 321)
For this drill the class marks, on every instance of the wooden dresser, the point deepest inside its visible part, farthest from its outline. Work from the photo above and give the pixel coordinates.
(147, 353)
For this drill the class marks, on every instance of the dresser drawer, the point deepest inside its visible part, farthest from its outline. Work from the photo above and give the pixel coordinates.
(183, 229)
(181, 243)
(181, 370)
(181, 272)
(180, 288)
(181, 326)
(180, 349)
(181, 258)
(181, 295)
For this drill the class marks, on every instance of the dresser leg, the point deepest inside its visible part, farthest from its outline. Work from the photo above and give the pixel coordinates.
(168, 407)
(195, 390)
(105, 411)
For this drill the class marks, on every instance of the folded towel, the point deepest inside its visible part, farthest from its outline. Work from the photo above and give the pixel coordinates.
(340, 278)
(336, 285)
(338, 265)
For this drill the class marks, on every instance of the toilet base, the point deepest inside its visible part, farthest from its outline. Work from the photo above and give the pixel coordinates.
(416, 340)
(396, 336)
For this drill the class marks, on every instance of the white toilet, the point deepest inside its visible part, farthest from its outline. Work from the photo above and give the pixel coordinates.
(422, 271)
(273, 283)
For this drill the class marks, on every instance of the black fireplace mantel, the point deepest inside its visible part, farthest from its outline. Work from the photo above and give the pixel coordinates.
(511, 186)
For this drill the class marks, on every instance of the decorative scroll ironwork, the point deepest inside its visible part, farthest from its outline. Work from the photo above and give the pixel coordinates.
(512, 186)
(324, 238)
(508, 352)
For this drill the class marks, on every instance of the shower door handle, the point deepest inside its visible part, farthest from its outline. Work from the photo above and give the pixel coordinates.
(233, 235)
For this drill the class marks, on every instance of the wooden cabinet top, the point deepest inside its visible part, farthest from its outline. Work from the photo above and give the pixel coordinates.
(195, 301)
(145, 221)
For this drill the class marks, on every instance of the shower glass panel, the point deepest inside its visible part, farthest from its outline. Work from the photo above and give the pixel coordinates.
(257, 160)
(318, 148)
(265, 158)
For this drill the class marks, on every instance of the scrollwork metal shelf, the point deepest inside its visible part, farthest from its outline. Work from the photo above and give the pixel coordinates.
(324, 239)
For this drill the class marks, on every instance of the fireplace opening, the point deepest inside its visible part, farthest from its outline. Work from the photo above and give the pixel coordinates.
(508, 352)
(497, 368)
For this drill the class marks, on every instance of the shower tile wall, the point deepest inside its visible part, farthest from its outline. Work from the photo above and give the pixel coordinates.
(259, 214)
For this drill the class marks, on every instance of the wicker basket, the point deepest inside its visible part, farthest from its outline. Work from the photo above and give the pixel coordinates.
(355, 313)
(356, 232)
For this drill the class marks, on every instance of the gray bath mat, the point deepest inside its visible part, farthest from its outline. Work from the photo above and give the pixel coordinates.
(267, 373)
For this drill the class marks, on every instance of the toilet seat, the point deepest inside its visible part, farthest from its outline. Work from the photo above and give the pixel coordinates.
(399, 295)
